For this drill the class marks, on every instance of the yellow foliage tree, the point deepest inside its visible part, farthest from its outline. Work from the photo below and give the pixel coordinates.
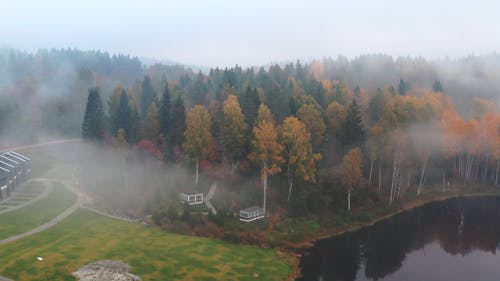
(198, 138)
(234, 129)
(314, 123)
(264, 114)
(266, 151)
(298, 152)
(336, 114)
(351, 174)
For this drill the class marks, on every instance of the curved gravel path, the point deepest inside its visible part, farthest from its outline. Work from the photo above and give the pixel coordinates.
(40, 144)
(79, 202)
(54, 221)
(42, 195)
(44, 226)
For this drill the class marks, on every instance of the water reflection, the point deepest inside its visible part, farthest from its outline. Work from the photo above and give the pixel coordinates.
(448, 240)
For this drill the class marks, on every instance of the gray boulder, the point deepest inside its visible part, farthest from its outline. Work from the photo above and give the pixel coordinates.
(106, 270)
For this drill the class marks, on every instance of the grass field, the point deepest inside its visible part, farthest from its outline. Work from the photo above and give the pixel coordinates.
(85, 237)
(35, 214)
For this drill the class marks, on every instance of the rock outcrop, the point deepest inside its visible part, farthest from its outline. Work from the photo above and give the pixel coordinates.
(106, 270)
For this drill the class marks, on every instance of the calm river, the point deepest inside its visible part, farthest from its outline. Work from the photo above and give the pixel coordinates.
(452, 240)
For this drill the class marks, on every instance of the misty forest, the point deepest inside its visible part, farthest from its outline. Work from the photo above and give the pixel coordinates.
(320, 136)
(318, 145)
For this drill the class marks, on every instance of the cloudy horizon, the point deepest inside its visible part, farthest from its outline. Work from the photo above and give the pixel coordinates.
(226, 33)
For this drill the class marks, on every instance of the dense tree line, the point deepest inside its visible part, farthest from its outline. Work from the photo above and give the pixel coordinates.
(414, 122)
(316, 133)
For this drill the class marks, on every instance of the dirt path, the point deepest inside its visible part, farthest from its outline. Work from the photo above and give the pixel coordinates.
(44, 226)
(42, 195)
(110, 215)
(40, 144)
(48, 224)
(5, 279)
(80, 199)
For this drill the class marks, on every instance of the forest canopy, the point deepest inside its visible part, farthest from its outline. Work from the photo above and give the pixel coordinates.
(391, 125)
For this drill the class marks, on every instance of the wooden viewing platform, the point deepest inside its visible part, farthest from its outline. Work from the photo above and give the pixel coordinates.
(192, 199)
(251, 214)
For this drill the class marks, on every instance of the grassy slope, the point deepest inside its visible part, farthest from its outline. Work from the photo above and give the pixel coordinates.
(35, 214)
(85, 237)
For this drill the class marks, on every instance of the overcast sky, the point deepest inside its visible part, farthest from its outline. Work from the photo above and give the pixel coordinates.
(254, 32)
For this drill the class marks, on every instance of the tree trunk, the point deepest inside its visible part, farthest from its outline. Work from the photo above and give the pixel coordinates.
(289, 176)
(290, 190)
(126, 173)
(393, 177)
(496, 174)
(379, 174)
(485, 171)
(148, 166)
(371, 170)
(264, 180)
(196, 178)
(398, 184)
(233, 167)
(422, 174)
(409, 179)
(349, 199)
(444, 181)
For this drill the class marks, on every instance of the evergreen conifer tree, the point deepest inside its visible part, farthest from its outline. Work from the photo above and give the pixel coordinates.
(147, 97)
(93, 122)
(353, 129)
(123, 118)
(165, 112)
(437, 87)
(177, 128)
(402, 87)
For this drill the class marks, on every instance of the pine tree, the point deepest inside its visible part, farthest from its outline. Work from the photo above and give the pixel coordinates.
(376, 106)
(113, 104)
(93, 122)
(165, 112)
(249, 105)
(152, 124)
(315, 89)
(177, 128)
(147, 97)
(437, 87)
(353, 129)
(199, 91)
(402, 87)
(123, 117)
(135, 125)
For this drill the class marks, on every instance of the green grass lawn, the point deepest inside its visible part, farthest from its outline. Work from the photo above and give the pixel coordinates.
(9, 203)
(19, 199)
(35, 214)
(154, 254)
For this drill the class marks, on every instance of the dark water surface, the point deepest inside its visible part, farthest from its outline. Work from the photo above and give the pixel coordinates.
(452, 240)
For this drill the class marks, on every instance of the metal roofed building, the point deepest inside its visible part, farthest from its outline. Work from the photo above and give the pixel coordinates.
(4, 183)
(14, 168)
(24, 163)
